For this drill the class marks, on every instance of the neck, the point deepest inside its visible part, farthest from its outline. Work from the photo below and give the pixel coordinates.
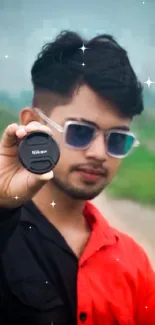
(65, 211)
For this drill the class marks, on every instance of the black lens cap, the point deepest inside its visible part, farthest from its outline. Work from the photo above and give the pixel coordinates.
(38, 152)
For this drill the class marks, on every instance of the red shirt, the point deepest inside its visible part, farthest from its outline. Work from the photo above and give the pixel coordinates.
(116, 283)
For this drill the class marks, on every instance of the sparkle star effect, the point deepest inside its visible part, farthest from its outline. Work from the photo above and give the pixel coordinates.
(16, 197)
(149, 82)
(6, 56)
(53, 204)
(83, 48)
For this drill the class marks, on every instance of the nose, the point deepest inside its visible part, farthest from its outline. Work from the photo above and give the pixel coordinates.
(97, 148)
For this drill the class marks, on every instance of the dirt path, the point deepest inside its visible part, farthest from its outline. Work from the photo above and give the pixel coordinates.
(132, 218)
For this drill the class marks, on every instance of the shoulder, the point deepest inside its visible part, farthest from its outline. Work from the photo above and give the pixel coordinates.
(126, 246)
(133, 253)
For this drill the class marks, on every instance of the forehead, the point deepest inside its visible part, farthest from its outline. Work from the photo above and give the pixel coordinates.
(86, 105)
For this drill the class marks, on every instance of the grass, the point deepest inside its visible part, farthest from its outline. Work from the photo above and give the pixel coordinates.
(136, 178)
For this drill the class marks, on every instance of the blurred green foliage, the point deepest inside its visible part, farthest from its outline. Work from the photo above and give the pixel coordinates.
(7, 118)
(136, 177)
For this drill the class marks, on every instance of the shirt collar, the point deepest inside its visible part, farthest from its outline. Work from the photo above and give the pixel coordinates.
(102, 233)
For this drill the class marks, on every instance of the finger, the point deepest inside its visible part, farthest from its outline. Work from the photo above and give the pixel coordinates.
(24, 129)
(21, 131)
(47, 176)
(46, 129)
(9, 137)
(35, 182)
(36, 126)
(33, 126)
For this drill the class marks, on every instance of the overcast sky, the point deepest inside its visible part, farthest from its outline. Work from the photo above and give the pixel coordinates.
(25, 25)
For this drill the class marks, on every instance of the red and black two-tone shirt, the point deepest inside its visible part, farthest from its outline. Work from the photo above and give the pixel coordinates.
(43, 283)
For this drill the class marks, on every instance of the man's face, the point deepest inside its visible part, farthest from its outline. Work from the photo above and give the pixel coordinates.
(67, 175)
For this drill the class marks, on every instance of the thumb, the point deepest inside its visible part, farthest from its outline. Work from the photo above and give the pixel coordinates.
(35, 182)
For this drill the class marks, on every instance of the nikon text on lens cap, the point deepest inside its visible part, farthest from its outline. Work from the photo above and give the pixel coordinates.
(38, 152)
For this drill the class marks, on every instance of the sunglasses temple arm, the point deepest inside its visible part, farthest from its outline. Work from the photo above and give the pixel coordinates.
(49, 121)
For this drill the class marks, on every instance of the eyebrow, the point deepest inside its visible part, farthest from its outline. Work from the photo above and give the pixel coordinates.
(121, 127)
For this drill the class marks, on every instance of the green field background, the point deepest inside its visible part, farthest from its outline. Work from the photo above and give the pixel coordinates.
(136, 177)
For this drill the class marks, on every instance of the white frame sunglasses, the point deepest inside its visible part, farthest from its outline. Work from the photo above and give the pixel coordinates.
(107, 134)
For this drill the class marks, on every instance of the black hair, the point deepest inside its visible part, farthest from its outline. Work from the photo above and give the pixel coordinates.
(107, 71)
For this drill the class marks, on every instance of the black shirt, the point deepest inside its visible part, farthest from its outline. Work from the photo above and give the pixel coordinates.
(38, 270)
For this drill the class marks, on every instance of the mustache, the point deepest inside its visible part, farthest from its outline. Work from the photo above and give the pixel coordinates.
(94, 166)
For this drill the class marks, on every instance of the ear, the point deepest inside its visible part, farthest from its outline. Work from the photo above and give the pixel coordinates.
(27, 115)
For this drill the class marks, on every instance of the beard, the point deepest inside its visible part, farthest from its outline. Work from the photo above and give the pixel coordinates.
(77, 193)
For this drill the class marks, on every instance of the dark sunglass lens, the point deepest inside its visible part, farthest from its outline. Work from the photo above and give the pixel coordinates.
(78, 135)
(120, 143)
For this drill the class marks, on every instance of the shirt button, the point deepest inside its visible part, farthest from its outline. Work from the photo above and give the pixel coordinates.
(83, 317)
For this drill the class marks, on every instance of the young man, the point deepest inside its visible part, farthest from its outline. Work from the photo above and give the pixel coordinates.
(65, 265)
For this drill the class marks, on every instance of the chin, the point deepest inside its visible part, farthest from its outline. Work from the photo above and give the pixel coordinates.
(80, 194)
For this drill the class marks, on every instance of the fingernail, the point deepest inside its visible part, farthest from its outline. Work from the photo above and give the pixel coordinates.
(21, 129)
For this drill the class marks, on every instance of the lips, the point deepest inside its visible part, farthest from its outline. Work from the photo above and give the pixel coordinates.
(92, 171)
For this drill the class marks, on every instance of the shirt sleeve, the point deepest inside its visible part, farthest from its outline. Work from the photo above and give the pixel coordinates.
(9, 219)
(147, 314)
